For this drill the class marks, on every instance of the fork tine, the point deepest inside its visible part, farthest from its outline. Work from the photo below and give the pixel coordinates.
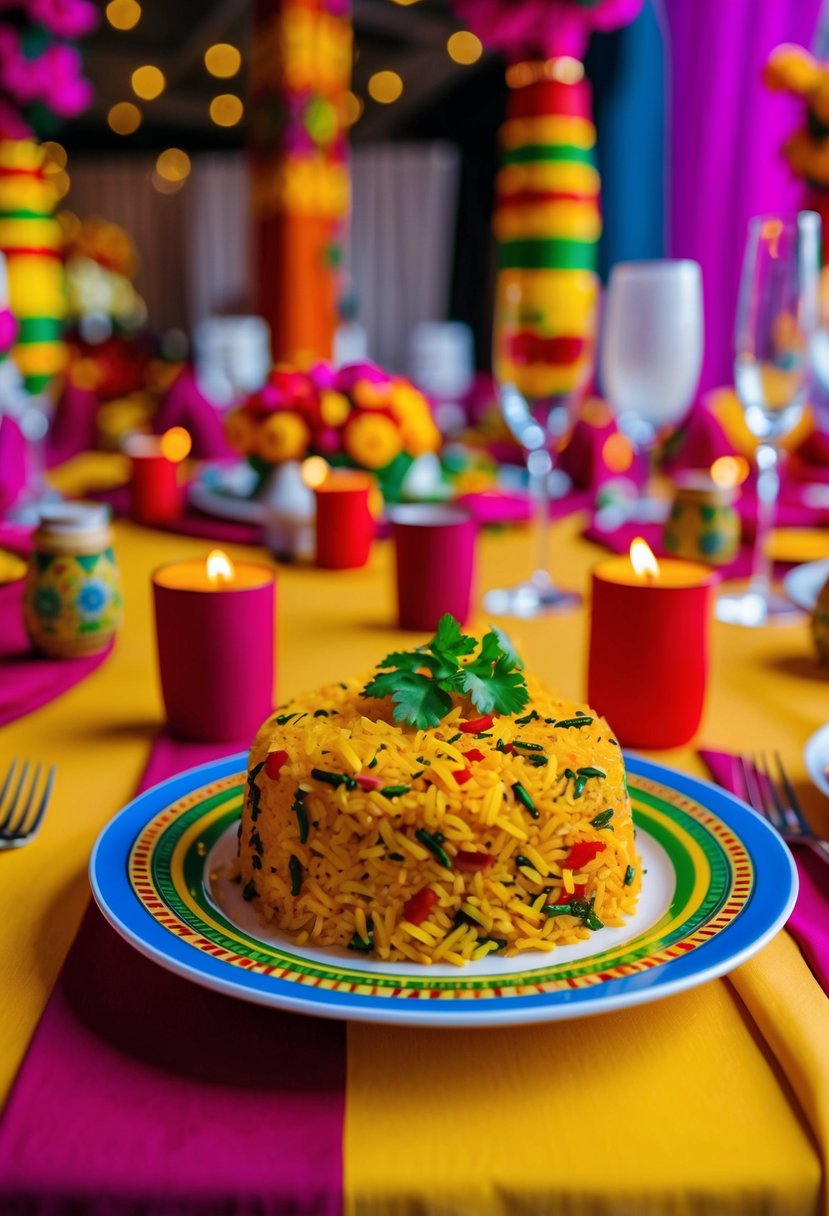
(7, 782)
(18, 828)
(775, 810)
(4, 823)
(797, 815)
(44, 802)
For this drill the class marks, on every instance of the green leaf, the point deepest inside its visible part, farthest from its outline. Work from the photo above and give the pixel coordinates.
(420, 701)
(407, 660)
(502, 691)
(384, 684)
(507, 647)
(449, 640)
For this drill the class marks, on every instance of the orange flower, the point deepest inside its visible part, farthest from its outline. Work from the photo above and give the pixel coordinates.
(372, 440)
(334, 408)
(282, 436)
(240, 432)
(370, 396)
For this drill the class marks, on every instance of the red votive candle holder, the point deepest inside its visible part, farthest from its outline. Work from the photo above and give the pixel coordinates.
(344, 522)
(435, 560)
(215, 633)
(649, 651)
(155, 492)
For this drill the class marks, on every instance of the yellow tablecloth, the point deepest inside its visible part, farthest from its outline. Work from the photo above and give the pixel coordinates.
(716, 1100)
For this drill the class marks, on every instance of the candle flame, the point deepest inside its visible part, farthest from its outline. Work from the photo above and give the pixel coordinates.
(729, 471)
(220, 568)
(771, 230)
(314, 471)
(645, 565)
(176, 444)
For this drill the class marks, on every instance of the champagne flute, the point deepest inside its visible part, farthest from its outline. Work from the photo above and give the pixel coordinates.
(651, 352)
(540, 380)
(777, 312)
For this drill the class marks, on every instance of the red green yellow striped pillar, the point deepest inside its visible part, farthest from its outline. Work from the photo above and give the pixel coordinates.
(547, 222)
(30, 238)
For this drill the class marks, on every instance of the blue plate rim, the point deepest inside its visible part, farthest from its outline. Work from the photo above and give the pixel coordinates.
(766, 912)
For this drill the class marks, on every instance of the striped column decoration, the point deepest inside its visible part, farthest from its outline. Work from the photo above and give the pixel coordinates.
(547, 222)
(30, 239)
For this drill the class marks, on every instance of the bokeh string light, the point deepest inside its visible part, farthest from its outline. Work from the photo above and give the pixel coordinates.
(385, 87)
(124, 118)
(123, 14)
(464, 47)
(222, 60)
(148, 82)
(226, 110)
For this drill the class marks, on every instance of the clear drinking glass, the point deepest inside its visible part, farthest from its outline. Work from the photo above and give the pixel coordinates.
(777, 312)
(651, 351)
(540, 381)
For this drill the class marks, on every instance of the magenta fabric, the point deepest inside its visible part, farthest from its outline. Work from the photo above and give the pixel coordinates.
(185, 405)
(12, 462)
(726, 132)
(190, 523)
(145, 1094)
(809, 922)
(74, 427)
(28, 679)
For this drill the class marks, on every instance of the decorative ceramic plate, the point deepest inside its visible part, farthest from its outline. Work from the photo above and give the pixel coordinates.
(718, 884)
(224, 490)
(803, 584)
(816, 755)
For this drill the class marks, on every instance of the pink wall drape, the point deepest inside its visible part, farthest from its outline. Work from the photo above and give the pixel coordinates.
(725, 133)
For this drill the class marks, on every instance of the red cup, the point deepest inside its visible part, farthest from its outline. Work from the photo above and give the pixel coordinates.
(435, 559)
(215, 650)
(649, 651)
(344, 523)
(155, 493)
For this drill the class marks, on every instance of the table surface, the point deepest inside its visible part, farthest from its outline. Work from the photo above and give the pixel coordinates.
(766, 692)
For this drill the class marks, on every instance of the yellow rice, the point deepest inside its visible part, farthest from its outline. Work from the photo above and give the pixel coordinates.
(361, 861)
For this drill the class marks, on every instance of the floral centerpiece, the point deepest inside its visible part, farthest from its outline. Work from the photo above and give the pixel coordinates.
(356, 416)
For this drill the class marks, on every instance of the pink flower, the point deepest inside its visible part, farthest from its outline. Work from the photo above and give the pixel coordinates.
(65, 18)
(543, 27)
(8, 330)
(63, 87)
(12, 125)
(348, 375)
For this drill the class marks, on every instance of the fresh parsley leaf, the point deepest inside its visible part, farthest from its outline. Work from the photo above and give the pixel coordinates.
(505, 642)
(449, 640)
(502, 690)
(406, 660)
(420, 701)
(382, 685)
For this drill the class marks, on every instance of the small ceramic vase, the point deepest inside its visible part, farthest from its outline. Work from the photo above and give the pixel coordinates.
(703, 525)
(72, 599)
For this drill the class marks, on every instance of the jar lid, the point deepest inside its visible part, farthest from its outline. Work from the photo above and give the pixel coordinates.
(72, 517)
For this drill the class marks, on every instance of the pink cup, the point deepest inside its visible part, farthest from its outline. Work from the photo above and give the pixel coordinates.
(435, 555)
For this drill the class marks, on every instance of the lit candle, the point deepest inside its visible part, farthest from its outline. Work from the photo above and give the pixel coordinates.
(215, 633)
(703, 524)
(155, 492)
(648, 657)
(344, 522)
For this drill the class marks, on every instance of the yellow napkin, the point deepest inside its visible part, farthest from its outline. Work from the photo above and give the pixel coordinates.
(706, 1102)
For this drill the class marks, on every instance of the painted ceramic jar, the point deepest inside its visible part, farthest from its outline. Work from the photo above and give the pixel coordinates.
(703, 525)
(72, 601)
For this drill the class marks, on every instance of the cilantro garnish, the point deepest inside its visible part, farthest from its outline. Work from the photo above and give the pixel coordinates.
(421, 681)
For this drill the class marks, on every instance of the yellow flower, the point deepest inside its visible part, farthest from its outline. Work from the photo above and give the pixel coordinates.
(240, 432)
(420, 435)
(372, 440)
(405, 398)
(334, 407)
(282, 436)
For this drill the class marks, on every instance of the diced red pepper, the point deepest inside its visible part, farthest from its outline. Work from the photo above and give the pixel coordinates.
(508, 748)
(467, 860)
(461, 775)
(274, 763)
(582, 852)
(476, 725)
(367, 782)
(578, 891)
(474, 754)
(419, 905)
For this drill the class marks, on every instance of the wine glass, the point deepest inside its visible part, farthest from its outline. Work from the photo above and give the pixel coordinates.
(651, 352)
(540, 380)
(777, 313)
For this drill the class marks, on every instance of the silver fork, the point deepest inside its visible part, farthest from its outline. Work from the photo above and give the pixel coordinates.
(22, 811)
(776, 801)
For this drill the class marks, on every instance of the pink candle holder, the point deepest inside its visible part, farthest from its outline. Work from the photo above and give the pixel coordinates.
(435, 559)
(156, 495)
(344, 523)
(215, 635)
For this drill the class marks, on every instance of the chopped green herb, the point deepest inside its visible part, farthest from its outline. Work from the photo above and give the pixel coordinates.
(602, 819)
(591, 772)
(524, 798)
(394, 791)
(592, 921)
(335, 779)
(521, 860)
(454, 738)
(372, 763)
(298, 808)
(565, 723)
(484, 734)
(361, 945)
(321, 713)
(527, 747)
(419, 773)
(396, 857)
(282, 719)
(463, 918)
(530, 717)
(556, 909)
(434, 847)
(249, 890)
(295, 867)
(537, 761)
(630, 874)
(426, 763)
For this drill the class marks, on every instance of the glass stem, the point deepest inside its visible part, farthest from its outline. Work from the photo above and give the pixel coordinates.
(540, 465)
(768, 488)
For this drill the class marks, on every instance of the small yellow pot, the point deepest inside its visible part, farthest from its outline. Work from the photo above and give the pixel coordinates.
(703, 525)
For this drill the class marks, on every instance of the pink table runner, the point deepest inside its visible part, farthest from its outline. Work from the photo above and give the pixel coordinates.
(27, 679)
(143, 1093)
